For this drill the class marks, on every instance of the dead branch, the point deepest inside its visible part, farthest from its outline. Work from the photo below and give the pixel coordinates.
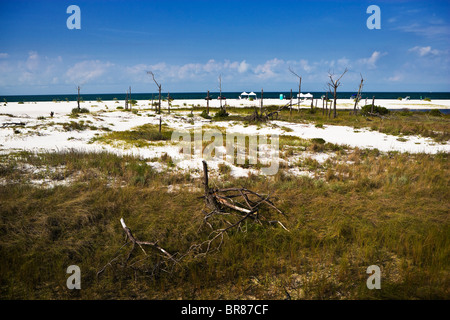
(228, 208)
(230, 202)
(130, 238)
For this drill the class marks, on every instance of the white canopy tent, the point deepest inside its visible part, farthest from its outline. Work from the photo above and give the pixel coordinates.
(306, 95)
(252, 94)
(245, 95)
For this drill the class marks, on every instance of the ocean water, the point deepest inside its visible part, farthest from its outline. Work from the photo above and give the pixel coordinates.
(214, 95)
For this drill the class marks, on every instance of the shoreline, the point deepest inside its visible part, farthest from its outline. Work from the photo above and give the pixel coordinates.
(45, 107)
(41, 132)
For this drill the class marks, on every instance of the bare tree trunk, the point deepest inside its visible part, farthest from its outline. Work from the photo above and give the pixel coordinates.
(358, 96)
(262, 101)
(126, 101)
(334, 84)
(78, 98)
(290, 107)
(220, 90)
(299, 92)
(130, 105)
(207, 103)
(323, 105)
(373, 103)
(159, 106)
(299, 87)
(334, 102)
(168, 101)
(159, 89)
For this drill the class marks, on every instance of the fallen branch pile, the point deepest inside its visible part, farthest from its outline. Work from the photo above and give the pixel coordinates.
(240, 203)
(228, 208)
(162, 258)
(265, 116)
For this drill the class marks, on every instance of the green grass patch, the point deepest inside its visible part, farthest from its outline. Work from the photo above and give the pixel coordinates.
(139, 137)
(389, 210)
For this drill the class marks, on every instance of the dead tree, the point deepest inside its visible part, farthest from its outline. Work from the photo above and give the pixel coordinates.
(207, 102)
(78, 98)
(220, 94)
(299, 86)
(126, 101)
(168, 101)
(290, 106)
(358, 96)
(333, 84)
(261, 116)
(159, 89)
(239, 203)
(323, 105)
(373, 103)
(262, 101)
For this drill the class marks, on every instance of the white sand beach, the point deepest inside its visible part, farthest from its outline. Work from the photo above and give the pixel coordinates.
(40, 132)
(341, 103)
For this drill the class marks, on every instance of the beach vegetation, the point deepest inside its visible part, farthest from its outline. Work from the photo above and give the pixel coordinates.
(77, 126)
(367, 109)
(221, 113)
(76, 111)
(139, 137)
(205, 115)
(435, 113)
(384, 209)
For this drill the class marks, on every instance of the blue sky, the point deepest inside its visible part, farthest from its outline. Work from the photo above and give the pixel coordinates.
(252, 44)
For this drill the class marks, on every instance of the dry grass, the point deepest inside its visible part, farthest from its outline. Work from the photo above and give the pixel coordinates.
(369, 208)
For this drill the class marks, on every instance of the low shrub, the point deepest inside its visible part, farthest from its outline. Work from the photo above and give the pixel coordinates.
(81, 110)
(205, 115)
(376, 109)
(221, 114)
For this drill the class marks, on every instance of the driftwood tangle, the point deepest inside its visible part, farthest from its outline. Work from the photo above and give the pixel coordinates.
(231, 207)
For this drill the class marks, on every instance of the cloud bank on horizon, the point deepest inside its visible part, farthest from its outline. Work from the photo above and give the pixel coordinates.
(188, 44)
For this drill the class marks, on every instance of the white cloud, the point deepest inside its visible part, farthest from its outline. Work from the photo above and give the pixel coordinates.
(371, 61)
(396, 78)
(267, 70)
(243, 67)
(33, 60)
(424, 51)
(431, 30)
(85, 71)
(196, 71)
